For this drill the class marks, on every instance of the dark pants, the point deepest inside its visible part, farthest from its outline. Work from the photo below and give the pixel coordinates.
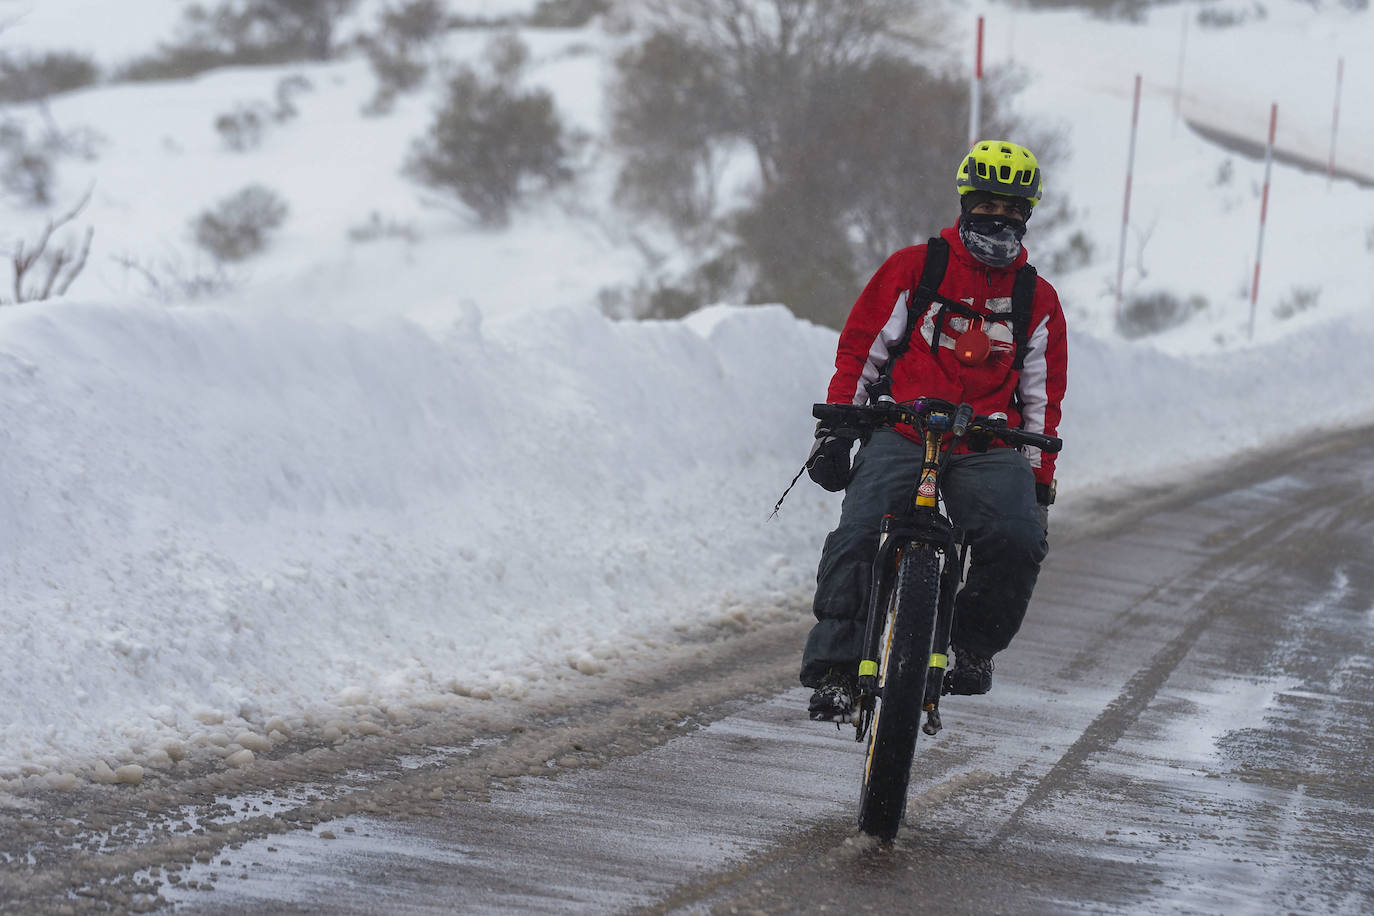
(991, 495)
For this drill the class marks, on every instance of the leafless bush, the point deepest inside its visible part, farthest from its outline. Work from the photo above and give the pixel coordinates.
(32, 77)
(400, 48)
(567, 14)
(241, 128)
(28, 171)
(1143, 314)
(239, 225)
(28, 160)
(1076, 252)
(47, 268)
(288, 88)
(1214, 17)
(1130, 10)
(491, 143)
(171, 280)
(245, 32)
(1298, 300)
(377, 228)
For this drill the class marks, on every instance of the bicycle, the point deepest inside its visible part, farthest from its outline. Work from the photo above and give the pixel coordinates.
(916, 574)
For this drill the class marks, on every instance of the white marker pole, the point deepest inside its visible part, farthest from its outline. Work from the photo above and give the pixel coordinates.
(1264, 211)
(1335, 120)
(976, 90)
(1126, 207)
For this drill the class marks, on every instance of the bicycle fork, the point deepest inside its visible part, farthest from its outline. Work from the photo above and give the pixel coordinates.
(950, 577)
(936, 531)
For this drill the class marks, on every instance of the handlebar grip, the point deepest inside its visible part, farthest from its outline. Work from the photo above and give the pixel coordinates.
(1049, 444)
(962, 418)
(824, 412)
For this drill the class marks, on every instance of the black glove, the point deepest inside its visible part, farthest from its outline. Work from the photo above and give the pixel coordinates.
(828, 463)
(1044, 498)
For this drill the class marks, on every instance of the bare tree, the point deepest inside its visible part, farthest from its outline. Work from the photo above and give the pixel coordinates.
(57, 266)
(855, 140)
(764, 51)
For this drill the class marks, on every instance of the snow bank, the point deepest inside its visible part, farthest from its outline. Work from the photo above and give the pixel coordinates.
(214, 517)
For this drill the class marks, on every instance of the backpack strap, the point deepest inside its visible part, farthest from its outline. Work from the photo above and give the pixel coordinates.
(1022, 299)
(926, 291)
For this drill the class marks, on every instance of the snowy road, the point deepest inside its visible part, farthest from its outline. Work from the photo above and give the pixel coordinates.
(1184, 725)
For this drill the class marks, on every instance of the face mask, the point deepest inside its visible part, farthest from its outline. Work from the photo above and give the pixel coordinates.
(994, 240)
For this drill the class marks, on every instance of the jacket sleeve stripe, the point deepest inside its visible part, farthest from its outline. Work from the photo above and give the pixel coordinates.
(1034, 395)
(881, 350)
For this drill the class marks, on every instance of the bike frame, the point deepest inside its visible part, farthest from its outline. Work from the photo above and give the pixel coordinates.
(923, 523)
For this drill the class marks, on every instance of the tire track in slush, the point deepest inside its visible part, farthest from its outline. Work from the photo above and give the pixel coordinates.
(1230, 592)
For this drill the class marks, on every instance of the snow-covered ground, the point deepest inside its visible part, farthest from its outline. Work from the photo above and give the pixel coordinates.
(424, 470)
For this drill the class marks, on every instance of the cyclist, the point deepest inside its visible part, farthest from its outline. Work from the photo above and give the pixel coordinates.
(1000, 496)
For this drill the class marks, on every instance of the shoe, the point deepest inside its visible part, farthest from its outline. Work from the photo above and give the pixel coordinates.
(833, 701)
(970, 676)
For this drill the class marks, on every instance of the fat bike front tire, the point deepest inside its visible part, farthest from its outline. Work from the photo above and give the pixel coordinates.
(906, 646)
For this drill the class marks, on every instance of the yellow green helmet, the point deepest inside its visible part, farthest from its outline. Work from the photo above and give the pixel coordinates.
(1000, 167)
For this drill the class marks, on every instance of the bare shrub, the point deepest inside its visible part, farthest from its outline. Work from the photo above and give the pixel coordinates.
(28, 171)
(238, 226)
(668, 109)
(1221, 17)
(241, 128)
(567, 14)
(396, 72)
(32, 77)
(288, 89)
(399, 49)
(376, 228)
(171, 279)
(28, 162)
(1143, 314)
(1129, 10)
(47, 268)
(1298, 300)
(507, 56)
(1077, 252)
(245, 32)
(490, 144)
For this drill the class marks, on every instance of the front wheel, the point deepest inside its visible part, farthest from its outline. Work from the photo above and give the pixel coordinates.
(906, 646)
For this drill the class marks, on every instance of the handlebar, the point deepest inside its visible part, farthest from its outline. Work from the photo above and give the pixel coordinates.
(856, 420)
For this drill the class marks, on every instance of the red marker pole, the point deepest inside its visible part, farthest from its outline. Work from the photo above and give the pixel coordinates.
(976, 90)
(1126, 207)
(1335, 120)
(1264, 211)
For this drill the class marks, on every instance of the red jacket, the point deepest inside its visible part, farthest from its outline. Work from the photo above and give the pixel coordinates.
(879, 318)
